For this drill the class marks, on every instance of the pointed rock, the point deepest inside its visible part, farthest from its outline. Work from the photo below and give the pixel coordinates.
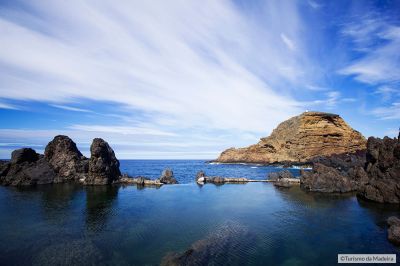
(103, 165)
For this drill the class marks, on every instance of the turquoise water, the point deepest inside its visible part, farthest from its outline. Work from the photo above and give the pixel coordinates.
(69, 224)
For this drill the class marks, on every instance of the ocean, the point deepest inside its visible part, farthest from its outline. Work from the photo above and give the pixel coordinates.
(68, 224)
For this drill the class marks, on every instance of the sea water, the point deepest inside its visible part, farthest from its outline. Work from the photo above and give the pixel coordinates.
(69, 224)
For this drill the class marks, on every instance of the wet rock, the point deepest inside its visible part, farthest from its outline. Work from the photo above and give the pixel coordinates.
(167, 177)
(27, 168)
(66, 160)
(394, 230)
(103, 165)
(4, 167)
(202, 178)
(383, 170)
(216, 249)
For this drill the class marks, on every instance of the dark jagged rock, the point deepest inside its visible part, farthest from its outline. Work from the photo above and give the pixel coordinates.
(215, 249)
(66, 160)
(394, 230)
(24, 155)
(283, 179)
(343, 161)
(4, 167)
(103, 165)
(140, 181)
(26, 168)
(328, 179)
(279, 175)
(167, 177)
(383, 170)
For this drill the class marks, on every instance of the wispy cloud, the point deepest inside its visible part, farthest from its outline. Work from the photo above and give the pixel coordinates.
(122, 130)
(379, 41)
(289, 43)
(8, 106)
(388, 113)
(193, 62)
(70, 108)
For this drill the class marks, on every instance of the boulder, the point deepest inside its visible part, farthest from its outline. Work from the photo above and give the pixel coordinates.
(26, 168)
(200, 177)
(167, 177)
(4, 167)
(103, 165)
(66, 160)
(394, 230)
(383, 170)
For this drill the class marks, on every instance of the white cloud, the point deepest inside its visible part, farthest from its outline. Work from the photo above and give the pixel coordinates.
(289, 43)
(387, 92)
(391, 112)
(379, 41)
(192, 62)
(121, 130)
(70, 108)
(8, 106)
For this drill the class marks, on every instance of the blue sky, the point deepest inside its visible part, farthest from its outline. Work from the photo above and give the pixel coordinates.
(188, 79)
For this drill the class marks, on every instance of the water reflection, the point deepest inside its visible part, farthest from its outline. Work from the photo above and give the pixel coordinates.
(99, 206)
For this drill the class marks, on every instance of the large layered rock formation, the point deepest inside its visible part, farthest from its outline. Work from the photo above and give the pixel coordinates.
(66, 160)
(383, 169)
(300, 139)
(103, 165)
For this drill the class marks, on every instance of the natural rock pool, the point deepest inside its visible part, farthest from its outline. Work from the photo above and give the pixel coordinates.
(252, 224)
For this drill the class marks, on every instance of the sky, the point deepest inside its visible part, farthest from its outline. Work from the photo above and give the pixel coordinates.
(188, 79)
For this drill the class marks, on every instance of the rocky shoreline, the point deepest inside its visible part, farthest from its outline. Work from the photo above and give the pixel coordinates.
(62, 162)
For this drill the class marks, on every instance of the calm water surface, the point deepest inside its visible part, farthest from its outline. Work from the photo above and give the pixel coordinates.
(69, 224)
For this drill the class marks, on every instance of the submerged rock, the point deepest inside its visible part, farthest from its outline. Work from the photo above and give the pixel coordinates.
(300, 139)
(103, 165)
(26, 168)
(394, 230)
(383, 170)
(216, 249)
(167, 177)
(66, 160)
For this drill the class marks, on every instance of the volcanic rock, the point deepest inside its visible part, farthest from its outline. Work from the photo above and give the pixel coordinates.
(383, 170)
(300, 139)
(283, 179)
(328, 179)
(167, 177)
(66, 160)
(26, 168)
(394, 230)
(103, 165)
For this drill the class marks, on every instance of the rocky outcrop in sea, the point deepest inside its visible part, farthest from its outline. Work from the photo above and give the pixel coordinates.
(62, 162)
(300, 139)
